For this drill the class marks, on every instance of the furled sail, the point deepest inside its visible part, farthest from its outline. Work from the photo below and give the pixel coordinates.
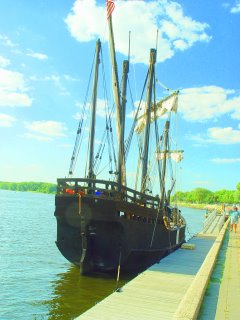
(176, 155)
(168, 104)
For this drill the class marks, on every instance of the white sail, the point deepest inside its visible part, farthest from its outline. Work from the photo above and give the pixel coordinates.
(176, 156)
(169, 104)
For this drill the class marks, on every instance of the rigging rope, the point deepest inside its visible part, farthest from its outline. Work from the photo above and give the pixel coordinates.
(155, 224)
(112, 153)
(100, 158)
(190, 235)
(163, 86)
(176, 135)
(79, 130)
(86, 165)
(158, 140)
(107, 134)
(139, 161)
(128, 141)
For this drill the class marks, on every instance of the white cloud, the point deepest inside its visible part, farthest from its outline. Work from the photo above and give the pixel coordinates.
(208, 102)
(6, 41)
(199, 139)
(14, 99)
(4, 62)
(37, 137)
(180, 44)
(102, 106)
(12, 81)
(77, 116)
(57, 81)
(224, 135)
(6, 120)
(78, 104)
(34, 78)
(131, 114)
(46, 129)
(176, 30)
(137, 104)
(236, 7)
(12, 89)
(70, 78)
(225, 5)
(217, 135)
(37, 55)
(225, 160)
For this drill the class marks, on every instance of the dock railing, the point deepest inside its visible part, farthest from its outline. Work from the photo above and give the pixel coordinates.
(209, 220)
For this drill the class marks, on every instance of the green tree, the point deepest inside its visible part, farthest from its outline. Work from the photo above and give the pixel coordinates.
(225, 196)
(201, 195)
(42, 187)
(238, 186)
(237, 193)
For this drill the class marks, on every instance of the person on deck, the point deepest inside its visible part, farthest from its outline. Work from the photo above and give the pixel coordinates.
(234, 214)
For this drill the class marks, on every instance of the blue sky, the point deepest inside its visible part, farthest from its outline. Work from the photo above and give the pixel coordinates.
(46, 51)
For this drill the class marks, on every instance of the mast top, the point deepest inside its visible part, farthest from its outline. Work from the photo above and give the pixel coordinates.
(153, 54)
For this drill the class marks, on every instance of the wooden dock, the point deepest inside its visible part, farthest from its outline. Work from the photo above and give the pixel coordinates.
(213, 224)
(228, 306)
(175, 287)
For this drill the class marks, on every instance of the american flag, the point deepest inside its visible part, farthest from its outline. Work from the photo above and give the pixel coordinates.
(110, 7)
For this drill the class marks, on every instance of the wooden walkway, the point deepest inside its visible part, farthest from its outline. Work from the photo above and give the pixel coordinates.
(157, 292)
(213, 224)
(175, 287)
(228, 306)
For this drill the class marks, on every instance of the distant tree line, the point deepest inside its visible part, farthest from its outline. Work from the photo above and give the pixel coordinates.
(201, 195)
(198, 195)
(42, 187)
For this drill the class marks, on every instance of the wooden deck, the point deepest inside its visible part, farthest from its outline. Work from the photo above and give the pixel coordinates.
(228, 306)
(213, 224)
(175, 287)
(157, 292)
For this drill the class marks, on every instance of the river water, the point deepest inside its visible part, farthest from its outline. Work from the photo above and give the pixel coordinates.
(36, 281)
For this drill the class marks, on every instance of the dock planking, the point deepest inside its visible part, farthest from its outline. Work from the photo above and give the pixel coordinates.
(229, 293)
(174, 288)
(158, 291)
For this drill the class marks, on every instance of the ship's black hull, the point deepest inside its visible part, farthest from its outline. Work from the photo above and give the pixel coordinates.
(95, 232)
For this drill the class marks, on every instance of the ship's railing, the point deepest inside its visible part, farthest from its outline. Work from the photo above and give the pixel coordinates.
(103, 188)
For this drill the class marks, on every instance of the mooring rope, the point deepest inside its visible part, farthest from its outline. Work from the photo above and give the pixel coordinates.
(155, 224)
(118, 270)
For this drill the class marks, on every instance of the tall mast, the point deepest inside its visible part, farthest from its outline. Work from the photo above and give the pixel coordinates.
(93, 120)
(165, 151)
(123, 103)
(119, 114)
(148, 118)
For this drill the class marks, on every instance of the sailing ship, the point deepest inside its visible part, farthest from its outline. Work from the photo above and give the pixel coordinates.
(106, 223)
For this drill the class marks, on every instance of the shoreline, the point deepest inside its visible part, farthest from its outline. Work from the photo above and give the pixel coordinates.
(202, 206)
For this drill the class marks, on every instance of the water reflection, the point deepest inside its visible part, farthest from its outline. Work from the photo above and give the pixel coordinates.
(73, 294)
